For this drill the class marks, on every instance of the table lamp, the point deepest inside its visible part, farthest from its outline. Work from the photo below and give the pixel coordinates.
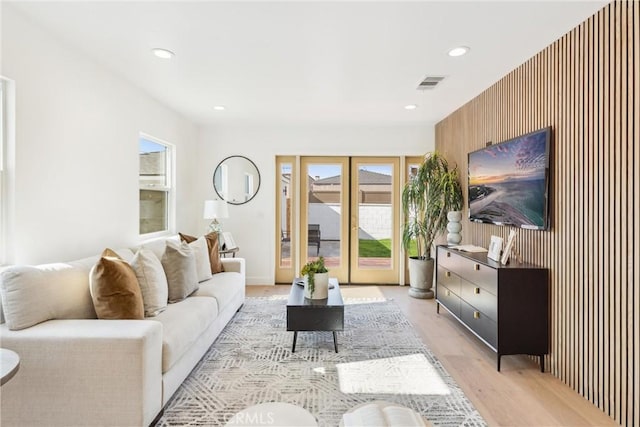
(214, 210)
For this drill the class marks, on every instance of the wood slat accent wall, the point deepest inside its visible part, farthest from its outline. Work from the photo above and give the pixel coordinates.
(586, 86)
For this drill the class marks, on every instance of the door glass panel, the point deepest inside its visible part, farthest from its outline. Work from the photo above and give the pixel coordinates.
(412, 171)
(324, 212)
(286, 226)
(375, 216)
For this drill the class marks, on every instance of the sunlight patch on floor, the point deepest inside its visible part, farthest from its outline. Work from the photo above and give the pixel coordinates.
(412, 374)
(358, 294)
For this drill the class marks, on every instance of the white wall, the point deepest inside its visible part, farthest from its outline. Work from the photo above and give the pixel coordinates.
(253, 224)
(76, 157)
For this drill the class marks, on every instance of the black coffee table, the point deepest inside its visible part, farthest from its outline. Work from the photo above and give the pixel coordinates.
(315, 314)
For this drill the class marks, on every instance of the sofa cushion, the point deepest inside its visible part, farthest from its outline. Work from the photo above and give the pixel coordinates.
(182, 324)
(114, 288)
(223, 287)
(214, 249)
(34, 294)
(179, 265)
(152, 280)
(201, 252)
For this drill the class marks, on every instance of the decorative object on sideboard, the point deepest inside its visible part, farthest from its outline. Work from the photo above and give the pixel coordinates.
(507, 249)
(454, 227)
(495, 248)
(214, 210)
(427, 196)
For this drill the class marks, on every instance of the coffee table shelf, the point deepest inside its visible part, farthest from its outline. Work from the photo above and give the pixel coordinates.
(305, 314)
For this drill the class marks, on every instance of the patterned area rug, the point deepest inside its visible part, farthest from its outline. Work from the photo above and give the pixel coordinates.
(380, 358)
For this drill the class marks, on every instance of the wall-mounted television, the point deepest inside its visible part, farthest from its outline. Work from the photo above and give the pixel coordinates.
(509, 182)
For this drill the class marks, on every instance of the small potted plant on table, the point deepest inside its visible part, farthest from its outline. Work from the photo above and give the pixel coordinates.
(316, 279)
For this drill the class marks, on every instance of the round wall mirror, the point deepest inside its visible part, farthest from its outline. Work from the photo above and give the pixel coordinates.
(236, 180)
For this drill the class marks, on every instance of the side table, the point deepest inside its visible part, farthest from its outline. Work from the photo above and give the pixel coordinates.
(226, 252)
(9, 364)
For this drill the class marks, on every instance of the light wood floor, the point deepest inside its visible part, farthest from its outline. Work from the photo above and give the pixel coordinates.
(518, 395)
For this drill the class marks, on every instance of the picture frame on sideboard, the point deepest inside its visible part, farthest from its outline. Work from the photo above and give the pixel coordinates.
(495, 247)
(507, 248)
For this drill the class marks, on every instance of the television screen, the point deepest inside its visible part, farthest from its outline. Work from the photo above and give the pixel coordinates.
(508, 182)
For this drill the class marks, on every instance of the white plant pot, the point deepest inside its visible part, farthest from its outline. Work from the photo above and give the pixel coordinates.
(321, 291)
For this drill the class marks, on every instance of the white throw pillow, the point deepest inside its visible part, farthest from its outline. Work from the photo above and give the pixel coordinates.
(152, 280)
(203, 265)
(31, 295)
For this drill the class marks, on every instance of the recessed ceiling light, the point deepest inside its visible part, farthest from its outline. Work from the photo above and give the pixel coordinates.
(162, 53)
(458, 51)
(410, 107)
(219, 107)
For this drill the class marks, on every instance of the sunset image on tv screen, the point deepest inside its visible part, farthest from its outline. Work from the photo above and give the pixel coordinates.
(507, 182)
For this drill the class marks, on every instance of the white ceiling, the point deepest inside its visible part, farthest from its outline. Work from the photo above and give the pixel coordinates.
(301, 61)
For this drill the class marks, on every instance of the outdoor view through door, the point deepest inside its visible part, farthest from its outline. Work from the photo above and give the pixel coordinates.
(348, 214)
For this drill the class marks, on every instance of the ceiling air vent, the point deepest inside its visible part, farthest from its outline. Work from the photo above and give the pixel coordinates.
(430, 82)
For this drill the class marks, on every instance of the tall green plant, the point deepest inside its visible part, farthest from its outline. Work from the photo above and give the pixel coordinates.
(426, 198)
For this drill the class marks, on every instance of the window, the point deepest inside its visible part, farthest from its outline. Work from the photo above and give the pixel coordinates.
(156, 186)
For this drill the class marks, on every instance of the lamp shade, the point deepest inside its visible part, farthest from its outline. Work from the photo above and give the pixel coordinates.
(214, 209)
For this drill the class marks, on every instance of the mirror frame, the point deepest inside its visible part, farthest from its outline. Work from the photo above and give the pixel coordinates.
(257, 187)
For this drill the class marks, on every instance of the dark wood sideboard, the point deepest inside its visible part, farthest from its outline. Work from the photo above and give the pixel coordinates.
(506, 306)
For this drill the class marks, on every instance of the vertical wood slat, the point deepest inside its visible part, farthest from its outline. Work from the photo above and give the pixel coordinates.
(586, 86)
(635, 114)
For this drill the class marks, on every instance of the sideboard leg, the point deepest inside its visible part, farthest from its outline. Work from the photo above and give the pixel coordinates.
(542, 363)
(499, 356)
(437, 307)
(295, 337)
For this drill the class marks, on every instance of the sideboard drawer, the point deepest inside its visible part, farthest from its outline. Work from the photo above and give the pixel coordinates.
(481, 275)
(479, 298)
(449, 299)
(448, 279)
(448, 259)
(480, 323)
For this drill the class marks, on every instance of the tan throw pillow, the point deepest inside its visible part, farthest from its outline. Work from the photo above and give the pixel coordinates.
(114, 288)
(179, 263)
(214, 252)
(152, 280)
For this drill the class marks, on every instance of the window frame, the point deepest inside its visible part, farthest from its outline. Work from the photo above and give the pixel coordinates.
(169, 187)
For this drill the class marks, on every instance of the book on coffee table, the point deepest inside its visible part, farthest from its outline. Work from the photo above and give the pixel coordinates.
(382, 414)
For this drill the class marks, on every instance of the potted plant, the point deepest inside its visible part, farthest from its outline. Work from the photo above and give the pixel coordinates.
(426, 198)
(316, 279)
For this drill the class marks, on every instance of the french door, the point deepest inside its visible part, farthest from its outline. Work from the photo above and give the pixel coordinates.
(345, 209)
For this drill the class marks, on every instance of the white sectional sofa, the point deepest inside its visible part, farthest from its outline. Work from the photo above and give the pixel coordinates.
(77, 370)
